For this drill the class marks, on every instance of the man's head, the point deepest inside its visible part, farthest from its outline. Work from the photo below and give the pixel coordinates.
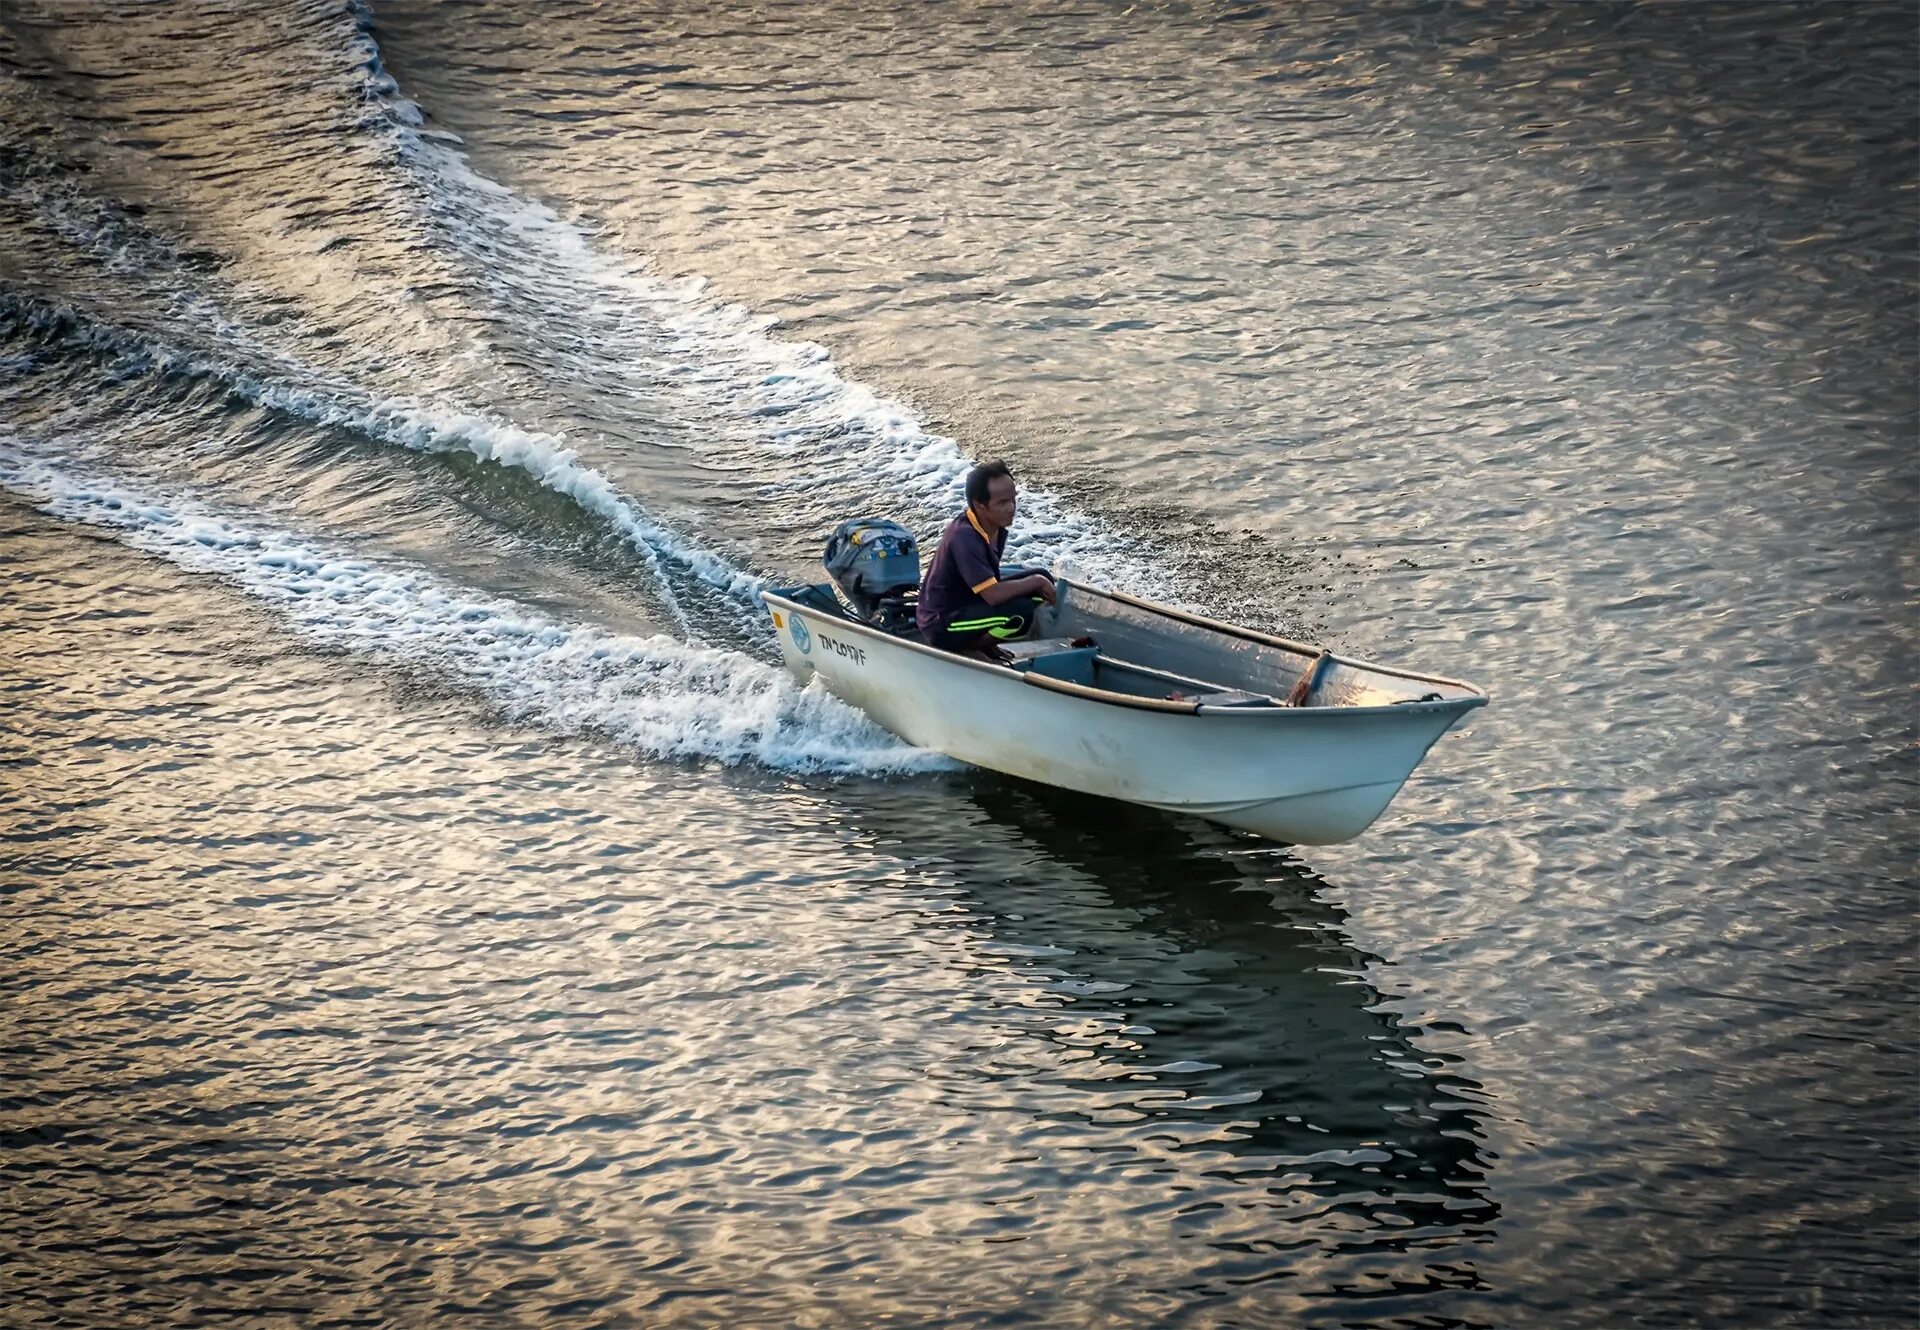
(990, 493)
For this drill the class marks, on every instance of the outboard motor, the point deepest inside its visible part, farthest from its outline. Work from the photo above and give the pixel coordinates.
(876, 565)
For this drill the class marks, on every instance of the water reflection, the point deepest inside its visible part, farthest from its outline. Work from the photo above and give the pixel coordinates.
(785, 1030)
(1183, 998)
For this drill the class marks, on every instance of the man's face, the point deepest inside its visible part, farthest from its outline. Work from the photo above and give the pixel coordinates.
(999, 505)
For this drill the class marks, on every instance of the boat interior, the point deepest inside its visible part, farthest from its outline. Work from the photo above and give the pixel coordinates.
(1063, 659)
(1108, 643)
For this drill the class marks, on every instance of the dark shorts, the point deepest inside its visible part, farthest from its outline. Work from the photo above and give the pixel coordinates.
(981, 623)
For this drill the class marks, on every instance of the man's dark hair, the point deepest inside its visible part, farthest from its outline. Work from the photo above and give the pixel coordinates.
(981, 476)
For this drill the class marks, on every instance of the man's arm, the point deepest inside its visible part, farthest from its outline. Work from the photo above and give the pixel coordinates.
(1034, 584)
(979, 564)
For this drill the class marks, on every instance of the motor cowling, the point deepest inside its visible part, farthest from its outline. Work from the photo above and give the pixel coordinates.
(876, 565)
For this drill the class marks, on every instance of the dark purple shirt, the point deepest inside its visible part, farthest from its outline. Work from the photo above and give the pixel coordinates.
(966, 564)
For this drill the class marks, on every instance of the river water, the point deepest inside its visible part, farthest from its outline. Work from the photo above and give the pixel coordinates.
(423, 899)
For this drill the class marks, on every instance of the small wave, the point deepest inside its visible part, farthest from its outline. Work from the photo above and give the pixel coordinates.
(818, 430)
(285, 386)
(786, 398)
(666, 698)
(779, 411)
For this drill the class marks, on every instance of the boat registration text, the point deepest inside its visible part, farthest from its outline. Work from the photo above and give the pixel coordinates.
(858, 655)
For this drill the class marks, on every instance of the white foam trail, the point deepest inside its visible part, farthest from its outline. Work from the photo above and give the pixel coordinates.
(829, 431)
(300, 390)
(786, 395)
(664, 697)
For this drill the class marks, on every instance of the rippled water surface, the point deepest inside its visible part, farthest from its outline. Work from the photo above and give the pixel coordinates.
(424, 900)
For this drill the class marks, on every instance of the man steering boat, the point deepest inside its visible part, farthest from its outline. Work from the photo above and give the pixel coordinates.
(965, 605)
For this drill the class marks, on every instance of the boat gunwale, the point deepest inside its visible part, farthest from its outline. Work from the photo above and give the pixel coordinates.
(1164, 706)
(1284, 643)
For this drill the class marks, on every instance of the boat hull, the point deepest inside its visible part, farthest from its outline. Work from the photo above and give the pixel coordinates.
(1308, 776)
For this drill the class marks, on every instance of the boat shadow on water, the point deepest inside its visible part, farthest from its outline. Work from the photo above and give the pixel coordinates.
(1188, 990)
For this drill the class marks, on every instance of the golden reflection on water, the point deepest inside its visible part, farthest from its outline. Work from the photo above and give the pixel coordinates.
(330, 988)
(465, 1012)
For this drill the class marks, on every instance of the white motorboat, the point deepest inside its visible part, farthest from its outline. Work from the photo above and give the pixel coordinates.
(1116, 696)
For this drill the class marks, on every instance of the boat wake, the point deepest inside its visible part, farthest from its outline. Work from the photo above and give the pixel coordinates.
(421, 426)
(818, 445)
(164, 347)
(657, 695)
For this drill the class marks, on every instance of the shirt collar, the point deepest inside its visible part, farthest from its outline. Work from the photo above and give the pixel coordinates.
(975, 523)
